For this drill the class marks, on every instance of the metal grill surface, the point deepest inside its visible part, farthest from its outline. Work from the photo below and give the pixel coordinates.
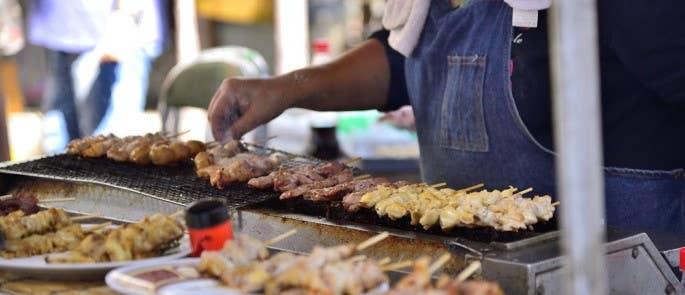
(174, 183)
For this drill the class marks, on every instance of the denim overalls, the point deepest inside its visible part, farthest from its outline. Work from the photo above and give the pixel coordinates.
(470, 130)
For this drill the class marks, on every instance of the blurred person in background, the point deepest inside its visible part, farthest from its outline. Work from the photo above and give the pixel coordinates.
(99, 53)
(11, 42)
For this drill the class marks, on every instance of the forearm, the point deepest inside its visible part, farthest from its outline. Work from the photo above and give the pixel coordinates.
(357, 80)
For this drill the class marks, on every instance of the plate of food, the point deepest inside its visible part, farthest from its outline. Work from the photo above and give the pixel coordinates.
(246, 266)
(169, 277)
(51, 244)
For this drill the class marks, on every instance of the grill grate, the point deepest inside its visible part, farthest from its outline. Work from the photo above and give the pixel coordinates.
(178, 183)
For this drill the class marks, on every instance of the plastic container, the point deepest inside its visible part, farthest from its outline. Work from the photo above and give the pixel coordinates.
(209, 225)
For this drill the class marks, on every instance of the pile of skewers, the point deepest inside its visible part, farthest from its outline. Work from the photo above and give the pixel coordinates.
(147, 238)
(54, 231)
(47, 231)
(427, 206)
(152, 148)
(245, 264)
(419, 281)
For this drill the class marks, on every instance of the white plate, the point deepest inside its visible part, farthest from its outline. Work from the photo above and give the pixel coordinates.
(171, 278)
(178, 277)
(35, 266)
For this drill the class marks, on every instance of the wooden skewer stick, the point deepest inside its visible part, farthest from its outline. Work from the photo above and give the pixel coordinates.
(398, 265)
(525, 191)
(353, 160)
(177, 134)
(97, 227)
(555, 204)
(372, 241)
(444, 258)
(176, 214)
(6, 197)
(264, 140)
(280, 237)
(85, 217)
(468, 271)
(439, 184)
(470, 188)
(384, 261)
(356, 258)
(363, 176)
(56, 200)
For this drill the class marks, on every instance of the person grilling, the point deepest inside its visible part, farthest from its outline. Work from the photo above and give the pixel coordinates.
(480, 90)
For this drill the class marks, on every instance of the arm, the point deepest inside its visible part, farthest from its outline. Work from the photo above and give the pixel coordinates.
(359, 79)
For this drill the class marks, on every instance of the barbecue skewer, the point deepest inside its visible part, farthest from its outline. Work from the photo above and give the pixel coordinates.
(280, 237)
(55, 200)
(363, 176)
(444, 258)
(468, 271)
(438, 185)
(555, 204)
(372, 241)
(85, 217)
(398, 265)
(470, 188)
(352, 160)
(525, 191)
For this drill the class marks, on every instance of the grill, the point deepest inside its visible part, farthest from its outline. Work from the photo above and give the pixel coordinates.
(180, 184)
(177, 183)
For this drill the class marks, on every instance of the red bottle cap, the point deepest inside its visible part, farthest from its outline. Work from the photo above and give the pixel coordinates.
(321, 46)
(682, 258)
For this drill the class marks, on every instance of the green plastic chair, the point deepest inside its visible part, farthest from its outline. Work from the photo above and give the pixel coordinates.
(193, 84)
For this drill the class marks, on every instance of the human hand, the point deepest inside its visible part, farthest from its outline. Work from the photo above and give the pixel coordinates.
(240, 105)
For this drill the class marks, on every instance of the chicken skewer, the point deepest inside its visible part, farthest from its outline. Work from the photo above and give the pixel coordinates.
(16, 225)
(64, 239)
(419, 282)
(244, 264)
(425, 205)
(129, 242)
(150, 148)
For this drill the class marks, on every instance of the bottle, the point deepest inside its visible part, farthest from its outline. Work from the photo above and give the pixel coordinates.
(682, 267)
(209, 225)
(324, 143)
(322, 52)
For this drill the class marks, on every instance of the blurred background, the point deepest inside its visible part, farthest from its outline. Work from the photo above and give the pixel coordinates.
(72, 68)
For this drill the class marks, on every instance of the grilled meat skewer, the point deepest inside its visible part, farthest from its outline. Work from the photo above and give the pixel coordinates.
(16, 225)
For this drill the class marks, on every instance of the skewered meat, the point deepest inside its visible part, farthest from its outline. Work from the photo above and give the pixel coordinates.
(16, 225)
(352, 201)
(149, 148)
(285, 179)
(162, 154)
(240, 168)
(21, 201)
(62, 240)
(128, 242)
(335, 179)
(195, 147)
(340, 190)
(419, 282)
(325, 271)
(503, 210)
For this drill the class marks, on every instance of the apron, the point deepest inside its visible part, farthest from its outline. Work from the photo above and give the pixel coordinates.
(471, 132)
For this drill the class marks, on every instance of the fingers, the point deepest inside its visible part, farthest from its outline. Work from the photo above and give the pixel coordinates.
(243, 125)
(219, 110)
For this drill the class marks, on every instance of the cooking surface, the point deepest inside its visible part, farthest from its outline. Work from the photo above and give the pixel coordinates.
(177, 184)
(181, 185)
